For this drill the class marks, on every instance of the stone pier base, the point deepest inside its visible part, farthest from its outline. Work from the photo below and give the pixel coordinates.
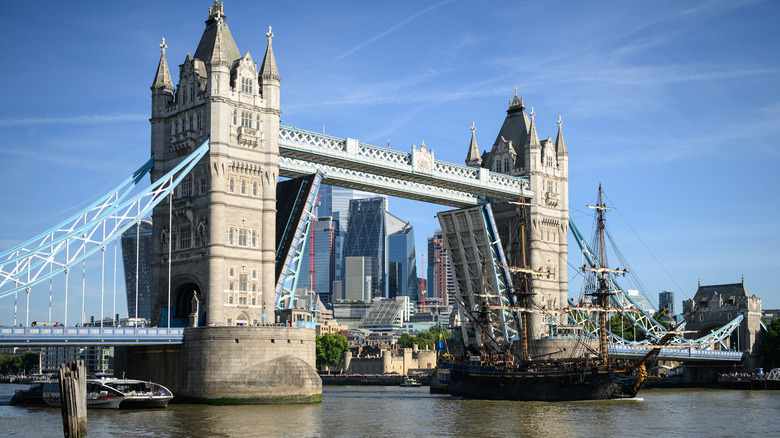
(230, 365)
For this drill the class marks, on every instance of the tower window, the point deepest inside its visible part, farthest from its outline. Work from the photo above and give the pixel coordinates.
(246, 85)
(254, 188)
(246, 119)
(232, 185)
(186, 235)
(230, 236)
(254, 245)
(242, 283)
(234, 116)
(243, 187)
(242, 235)
(203, 187)
(506, 166)
(199, 121)
(186, 186)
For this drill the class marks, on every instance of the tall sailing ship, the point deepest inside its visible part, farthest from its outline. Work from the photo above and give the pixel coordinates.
(503, 364)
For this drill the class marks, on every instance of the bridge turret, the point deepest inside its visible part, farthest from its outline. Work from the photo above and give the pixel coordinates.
(472, 158)
(218, 62)
(533, 148)
(562, 154)
(269, 75)
(162, 87)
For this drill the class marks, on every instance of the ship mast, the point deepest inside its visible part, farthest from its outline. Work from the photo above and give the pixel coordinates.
(524, 292)
(603, 291)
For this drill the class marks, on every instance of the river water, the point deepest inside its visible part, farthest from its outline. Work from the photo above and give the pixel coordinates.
(376, 411)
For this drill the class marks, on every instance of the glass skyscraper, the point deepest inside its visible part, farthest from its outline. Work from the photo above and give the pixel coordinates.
(666, 304)
(334, 203)
(400, 243)
(366, 238)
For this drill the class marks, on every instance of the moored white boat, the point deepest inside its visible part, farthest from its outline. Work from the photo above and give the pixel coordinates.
(99, 396)
(139, 394)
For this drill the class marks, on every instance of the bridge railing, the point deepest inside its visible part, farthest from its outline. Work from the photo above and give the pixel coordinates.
(692, 353)
(90, 335)
(350, 149)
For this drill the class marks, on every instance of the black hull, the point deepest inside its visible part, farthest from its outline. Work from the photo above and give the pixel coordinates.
(489, 383)
(35, 399)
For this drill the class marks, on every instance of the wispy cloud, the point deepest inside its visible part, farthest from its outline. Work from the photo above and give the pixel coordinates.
(378, 36)
(80, 120)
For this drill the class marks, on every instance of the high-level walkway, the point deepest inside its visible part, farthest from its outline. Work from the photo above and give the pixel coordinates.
(347, 162)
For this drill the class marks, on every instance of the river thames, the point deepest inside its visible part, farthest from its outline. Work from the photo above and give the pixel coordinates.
(374, 411)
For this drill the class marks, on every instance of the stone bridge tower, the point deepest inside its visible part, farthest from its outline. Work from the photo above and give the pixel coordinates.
(718, 305)
(222, 231)
(517, 151)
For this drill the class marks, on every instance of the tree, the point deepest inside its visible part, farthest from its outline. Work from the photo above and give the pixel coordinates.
(621, 325)
(435, 330)
(770, 345)
(10, 364)
(405, 341)
(663, 320)
(29, 362)
(424, 340)
(330, 349)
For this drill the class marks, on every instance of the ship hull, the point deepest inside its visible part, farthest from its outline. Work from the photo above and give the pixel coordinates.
(585, 383)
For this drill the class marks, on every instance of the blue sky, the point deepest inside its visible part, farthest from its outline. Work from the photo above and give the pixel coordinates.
(673, 106)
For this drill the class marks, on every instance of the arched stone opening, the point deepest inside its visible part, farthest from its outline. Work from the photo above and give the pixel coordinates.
(182, 305)
(242, 319)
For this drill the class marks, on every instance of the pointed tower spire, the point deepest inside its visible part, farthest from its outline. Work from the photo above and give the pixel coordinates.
(473, 159)
(560, 145)
(533, 137)
(268, 69)
(162, 80)
(218, 53)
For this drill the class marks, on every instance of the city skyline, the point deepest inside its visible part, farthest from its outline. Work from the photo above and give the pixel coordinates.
(672, 107)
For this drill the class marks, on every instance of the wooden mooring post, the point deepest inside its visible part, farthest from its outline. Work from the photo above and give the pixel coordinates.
(73, 398)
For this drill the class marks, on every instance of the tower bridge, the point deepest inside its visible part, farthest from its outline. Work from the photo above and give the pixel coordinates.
(218, 151)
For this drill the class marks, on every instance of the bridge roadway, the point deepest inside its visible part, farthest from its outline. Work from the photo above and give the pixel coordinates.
(417, 175)
(687, 354)
(89, 336)
(113, 336)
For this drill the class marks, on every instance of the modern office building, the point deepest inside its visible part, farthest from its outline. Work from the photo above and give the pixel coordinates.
(137, 258)
(440, 284)
(387, 315)
(641, 300)
(96, 358)
(366, 238)
(361, 277)
(402, 259)
(334, 203)
(321, 248)
(666, 303)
